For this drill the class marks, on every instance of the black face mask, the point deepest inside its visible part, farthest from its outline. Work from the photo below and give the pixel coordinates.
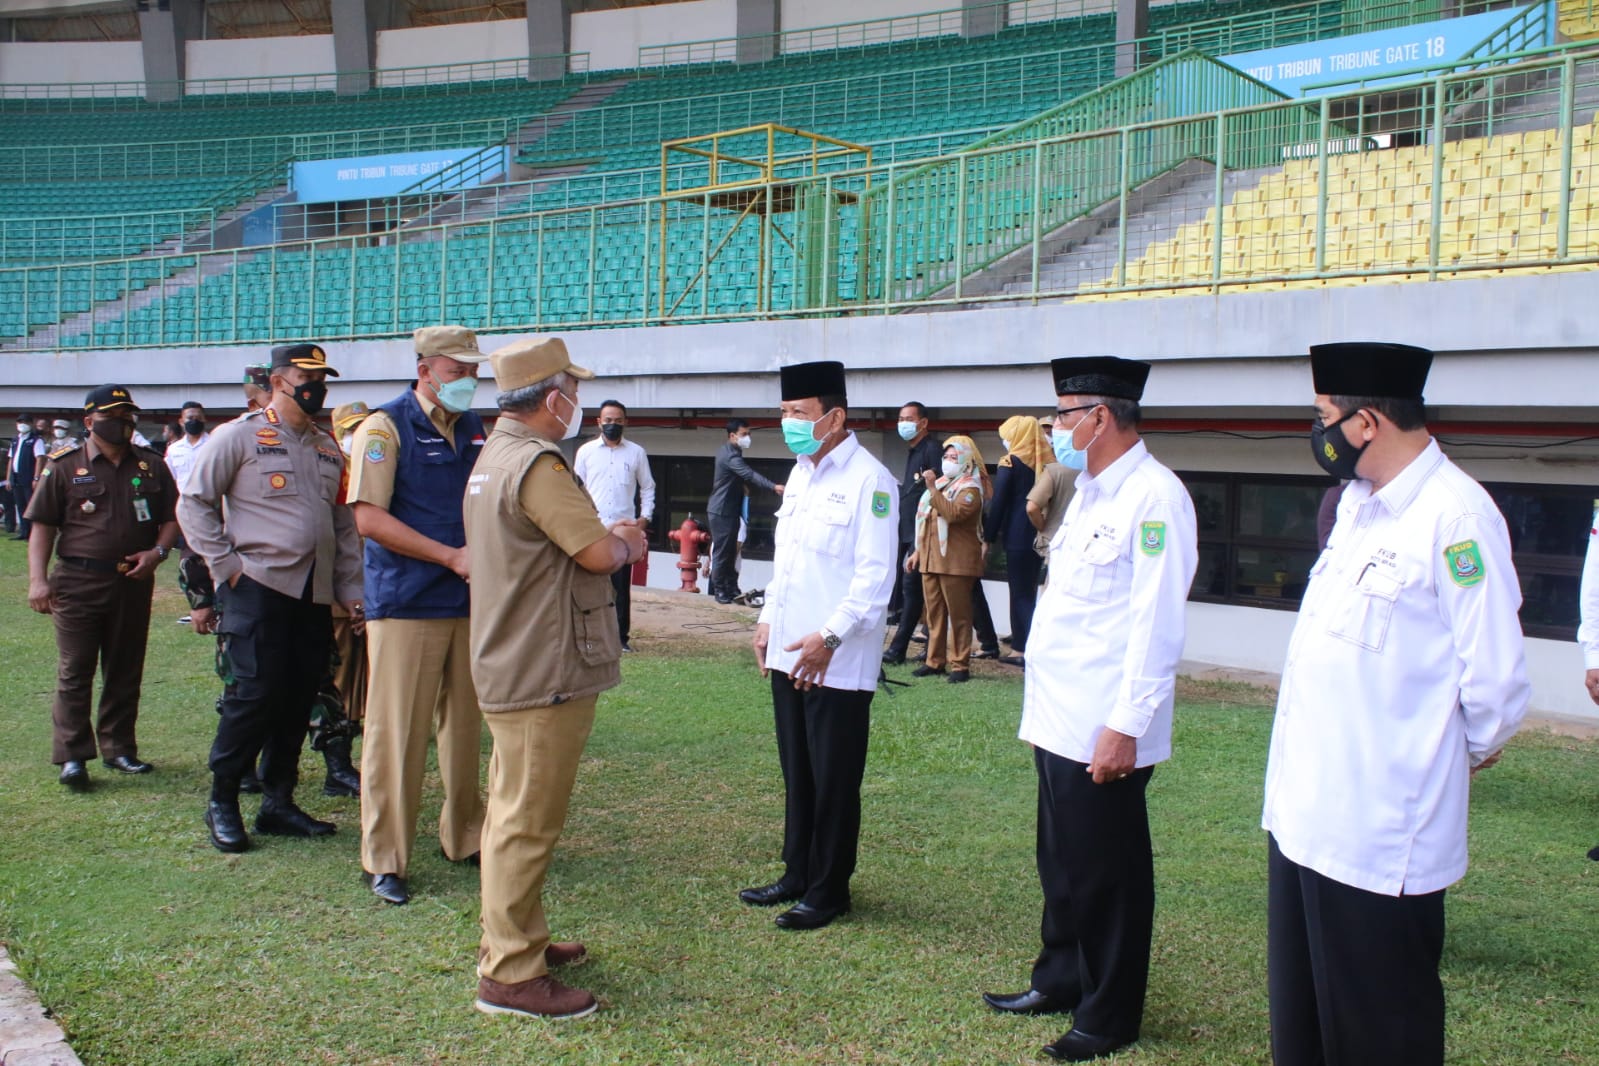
(310, 396)
(112, 431)
(194, 427)
(1332, 449)
(611, 432)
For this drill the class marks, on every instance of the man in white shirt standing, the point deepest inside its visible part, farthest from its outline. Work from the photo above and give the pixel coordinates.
(1097, 706)
(1405, 676)
(820, 639)
(1588, 631)
(616, 472)
(181, 452)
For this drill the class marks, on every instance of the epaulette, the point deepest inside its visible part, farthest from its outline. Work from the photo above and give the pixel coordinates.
(65, 449)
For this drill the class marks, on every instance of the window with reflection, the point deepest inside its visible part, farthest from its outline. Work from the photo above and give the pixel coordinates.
(1257, 537)
(683, 488)
(1548, 527)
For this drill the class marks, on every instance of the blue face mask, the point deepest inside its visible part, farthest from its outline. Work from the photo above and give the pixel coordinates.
(456, 396)
(1067, 454)
(907, 430)
(800, 436)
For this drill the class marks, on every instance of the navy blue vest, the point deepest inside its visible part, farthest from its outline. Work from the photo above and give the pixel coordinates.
(429, 485)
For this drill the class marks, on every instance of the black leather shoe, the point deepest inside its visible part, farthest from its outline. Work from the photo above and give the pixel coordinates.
(287, 820)
(1594, 854)
(127, 764)
(1077, 1046)
(75, 775)
(724, 599)
(959, 677)
(894, 658)
(926, 671)
(769, 895)
(805, 916)
(227, 827)
(390, 888)
(1031, 1001)
(986, 653)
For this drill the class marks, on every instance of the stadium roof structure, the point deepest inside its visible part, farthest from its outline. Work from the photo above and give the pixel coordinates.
(117, 20)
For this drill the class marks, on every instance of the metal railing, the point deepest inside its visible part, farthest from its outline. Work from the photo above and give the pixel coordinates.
(1425, 194)
(279, 89)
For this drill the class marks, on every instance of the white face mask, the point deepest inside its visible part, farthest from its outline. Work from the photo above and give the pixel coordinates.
(60, 434)
(1004, 444)
(344, 445)
(744, 441)
(22, 429)
(952, 468)
(577, 415)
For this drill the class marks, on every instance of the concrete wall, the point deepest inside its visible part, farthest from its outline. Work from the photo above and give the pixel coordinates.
(612, 38)
(467, 42)
(260, 57)
(51, 63)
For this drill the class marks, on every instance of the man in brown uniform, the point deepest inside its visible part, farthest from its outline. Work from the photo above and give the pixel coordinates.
(264, 507)
(544, 646)
(109, 503)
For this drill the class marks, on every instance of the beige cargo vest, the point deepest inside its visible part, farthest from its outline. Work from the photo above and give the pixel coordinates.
(543, 628)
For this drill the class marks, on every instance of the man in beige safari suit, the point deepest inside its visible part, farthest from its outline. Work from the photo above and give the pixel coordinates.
(544, 646)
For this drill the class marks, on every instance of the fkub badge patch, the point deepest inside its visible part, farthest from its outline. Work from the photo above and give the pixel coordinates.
(880, 504)
(1152, 538)
(1465, 563)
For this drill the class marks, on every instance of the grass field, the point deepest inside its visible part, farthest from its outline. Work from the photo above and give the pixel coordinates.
(150, 947)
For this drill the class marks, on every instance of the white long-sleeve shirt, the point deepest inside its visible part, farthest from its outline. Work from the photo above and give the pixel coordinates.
(613, 474)
(1588, 631)
(1109, 627)
(180, 457)
(1404, 671)
(837, 540)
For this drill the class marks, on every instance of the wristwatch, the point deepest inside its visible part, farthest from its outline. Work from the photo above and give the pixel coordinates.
(162, 552)
(830, 639)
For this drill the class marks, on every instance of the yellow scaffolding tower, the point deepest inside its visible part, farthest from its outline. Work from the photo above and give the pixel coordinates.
(760, 171)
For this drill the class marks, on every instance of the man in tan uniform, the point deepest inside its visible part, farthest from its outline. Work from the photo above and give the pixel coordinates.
(409, 461)
(544, 646)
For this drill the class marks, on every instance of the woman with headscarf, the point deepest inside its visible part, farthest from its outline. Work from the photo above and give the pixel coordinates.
(949, 554)
(1026, 454)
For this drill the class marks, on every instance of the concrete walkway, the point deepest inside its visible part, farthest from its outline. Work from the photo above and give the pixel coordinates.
(27, 1035)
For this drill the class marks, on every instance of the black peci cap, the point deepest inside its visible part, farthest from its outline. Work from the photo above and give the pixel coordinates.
(258, 374)
(1369, 368)
(805, 380)
(304, 356)
(1099, 375)
(108, 398)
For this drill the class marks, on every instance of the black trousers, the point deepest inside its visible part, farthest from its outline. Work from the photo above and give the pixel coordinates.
(1353, 975)
(821, 744)
(276, 655)
(1022, 568)
(724, 553)
(1097, 871)
(22, 492)
(622, 584)
(913, 604)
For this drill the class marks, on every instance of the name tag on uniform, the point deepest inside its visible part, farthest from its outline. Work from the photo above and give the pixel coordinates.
(141, 508)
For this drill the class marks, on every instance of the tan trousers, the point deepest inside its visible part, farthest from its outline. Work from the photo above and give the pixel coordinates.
(420, 671)
(350, 677)
(531, 773)
(948, 600)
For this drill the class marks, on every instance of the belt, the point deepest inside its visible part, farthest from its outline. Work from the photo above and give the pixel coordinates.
(98, 566)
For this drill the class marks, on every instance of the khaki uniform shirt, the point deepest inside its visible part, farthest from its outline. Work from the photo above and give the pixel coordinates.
(104, 510)
(267, 501)
(543, 628)
(1050, 494)
(962, 551)
(376, 448)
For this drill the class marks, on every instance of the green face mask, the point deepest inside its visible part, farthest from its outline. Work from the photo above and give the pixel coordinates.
(456, 396)
(800, 436)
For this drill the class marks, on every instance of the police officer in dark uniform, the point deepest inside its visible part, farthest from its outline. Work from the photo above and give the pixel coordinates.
(264, 506)
(106, 505)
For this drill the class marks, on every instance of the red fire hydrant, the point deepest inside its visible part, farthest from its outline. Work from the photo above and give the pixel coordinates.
(689, 537)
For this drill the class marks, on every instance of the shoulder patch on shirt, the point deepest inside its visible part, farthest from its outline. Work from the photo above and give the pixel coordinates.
(376, 451)
(65, 449)
(381, 434)
(1152, 538)
(1465, 564)
(559, 467)
(880, 504)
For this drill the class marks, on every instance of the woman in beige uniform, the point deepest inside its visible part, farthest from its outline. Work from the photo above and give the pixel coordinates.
(949, 554)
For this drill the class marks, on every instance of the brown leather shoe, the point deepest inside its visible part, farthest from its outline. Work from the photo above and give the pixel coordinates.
(564, 953)
(542, 997)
